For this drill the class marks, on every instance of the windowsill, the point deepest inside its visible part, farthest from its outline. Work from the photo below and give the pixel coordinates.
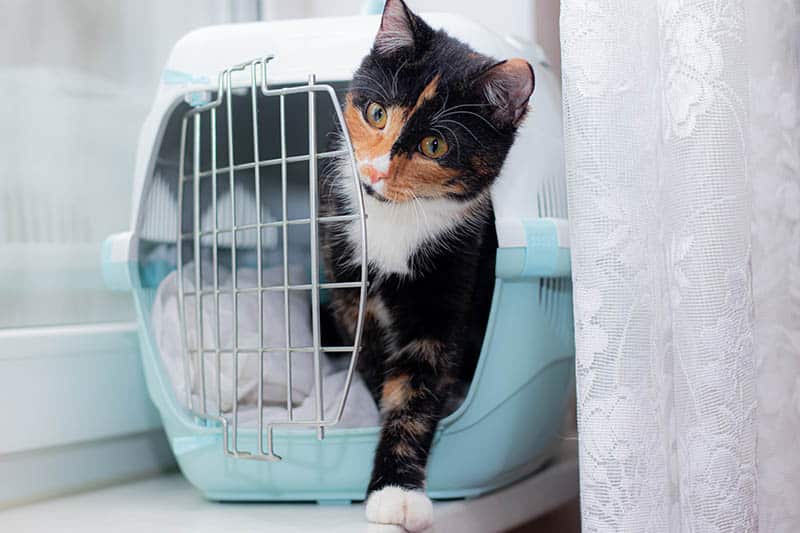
(170, 503)
(79, 414)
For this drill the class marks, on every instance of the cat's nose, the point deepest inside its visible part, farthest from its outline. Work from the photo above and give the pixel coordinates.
(372, 173)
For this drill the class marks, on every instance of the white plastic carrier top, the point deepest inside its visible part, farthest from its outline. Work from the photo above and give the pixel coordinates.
(332, 48)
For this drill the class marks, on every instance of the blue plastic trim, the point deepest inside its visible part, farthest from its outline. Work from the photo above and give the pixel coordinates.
(116, 274)
(153, 273)
(177, 77)
(372, 7)
(510, 262)
(543, 257)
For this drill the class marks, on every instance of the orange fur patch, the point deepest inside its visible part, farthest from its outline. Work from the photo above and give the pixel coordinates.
(404, 449)
(377, 310)
(427, 94)
(345, 306)
(482, 167)
(420, 177)
(396, 393)
(417, 426)
(370, 142)
(426, 349)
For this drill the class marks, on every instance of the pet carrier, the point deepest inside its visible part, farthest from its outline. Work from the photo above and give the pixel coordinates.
(223, 262)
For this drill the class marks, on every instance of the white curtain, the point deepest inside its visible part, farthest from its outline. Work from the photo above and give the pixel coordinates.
(683, 164)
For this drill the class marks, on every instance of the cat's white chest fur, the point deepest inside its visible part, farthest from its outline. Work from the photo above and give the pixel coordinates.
(395, 231)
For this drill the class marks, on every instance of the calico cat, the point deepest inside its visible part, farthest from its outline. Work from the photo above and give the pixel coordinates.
(431, 122)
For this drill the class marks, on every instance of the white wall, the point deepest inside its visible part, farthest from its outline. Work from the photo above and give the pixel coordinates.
(535, 20)
(503, 16)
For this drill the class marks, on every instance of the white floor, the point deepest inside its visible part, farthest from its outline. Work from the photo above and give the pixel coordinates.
(168, 503)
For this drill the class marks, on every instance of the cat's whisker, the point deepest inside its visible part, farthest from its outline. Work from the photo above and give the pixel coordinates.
(385, 74)
(376, 82)
(368, 89)
(461, 112)
(417, 203)
(396, 72)
(417, 210)
(414, 207)
(460, 106)
(410, 201)
(459, 123)
(468, 105)
(444, 104)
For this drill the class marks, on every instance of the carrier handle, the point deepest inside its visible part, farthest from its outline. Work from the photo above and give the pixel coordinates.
(545, 255)
(118, 258)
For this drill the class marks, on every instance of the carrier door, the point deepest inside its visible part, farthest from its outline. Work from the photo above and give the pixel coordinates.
(249, 257)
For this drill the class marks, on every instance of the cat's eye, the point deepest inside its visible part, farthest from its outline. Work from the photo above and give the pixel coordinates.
(376, 115)
(433, 146)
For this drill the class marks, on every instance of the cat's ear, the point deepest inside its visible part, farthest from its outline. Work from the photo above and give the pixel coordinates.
(399, 29)
(507, 86)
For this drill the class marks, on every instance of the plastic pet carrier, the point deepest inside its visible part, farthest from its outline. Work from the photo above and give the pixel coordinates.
(223, 261)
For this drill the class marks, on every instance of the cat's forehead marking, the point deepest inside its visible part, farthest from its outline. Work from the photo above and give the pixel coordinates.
(428, 92)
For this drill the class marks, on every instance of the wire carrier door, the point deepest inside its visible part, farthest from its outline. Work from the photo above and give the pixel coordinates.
(210, 225)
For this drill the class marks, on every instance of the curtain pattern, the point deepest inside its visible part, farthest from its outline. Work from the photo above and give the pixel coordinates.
(774, 56)
(682, 167)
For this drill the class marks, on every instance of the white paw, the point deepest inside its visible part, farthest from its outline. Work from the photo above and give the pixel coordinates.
(393, 505)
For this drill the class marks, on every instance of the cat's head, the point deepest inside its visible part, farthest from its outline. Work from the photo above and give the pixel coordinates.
(428, 116)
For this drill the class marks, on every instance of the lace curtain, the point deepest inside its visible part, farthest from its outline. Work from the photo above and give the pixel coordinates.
(682, 130)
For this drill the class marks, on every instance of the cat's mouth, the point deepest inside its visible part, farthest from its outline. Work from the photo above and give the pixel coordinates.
(372, 192)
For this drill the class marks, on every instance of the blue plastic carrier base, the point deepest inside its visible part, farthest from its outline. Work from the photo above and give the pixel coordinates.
(506, 428)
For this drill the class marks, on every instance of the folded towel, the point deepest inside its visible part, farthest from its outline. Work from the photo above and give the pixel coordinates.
(360, 409)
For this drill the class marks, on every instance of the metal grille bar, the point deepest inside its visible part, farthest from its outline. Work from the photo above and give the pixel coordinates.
(197, 349)
(279, 224)
(273, 162)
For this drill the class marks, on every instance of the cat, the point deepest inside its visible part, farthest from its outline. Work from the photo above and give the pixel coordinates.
(431, 122)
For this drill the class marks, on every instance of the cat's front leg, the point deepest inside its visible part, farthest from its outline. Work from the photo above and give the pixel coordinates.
(414, 392)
